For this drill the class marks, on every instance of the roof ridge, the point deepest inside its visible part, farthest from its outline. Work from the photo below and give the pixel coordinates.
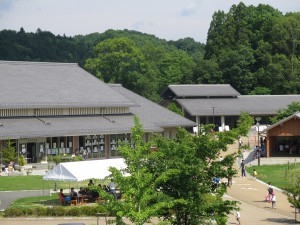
(37, 63)
(199, 85)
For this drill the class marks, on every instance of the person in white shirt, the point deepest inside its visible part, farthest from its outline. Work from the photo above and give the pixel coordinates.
(273, 201)
(112, 188)
(238, 217)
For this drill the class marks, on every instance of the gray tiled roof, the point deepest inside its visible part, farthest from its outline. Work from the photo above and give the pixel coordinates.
(54, 85)
(254, 104)
(203, 90)
(69, 126)
(152, 112)
(59, 85)
(153, 117)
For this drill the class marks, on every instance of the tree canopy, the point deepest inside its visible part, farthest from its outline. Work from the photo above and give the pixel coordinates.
(174, 179)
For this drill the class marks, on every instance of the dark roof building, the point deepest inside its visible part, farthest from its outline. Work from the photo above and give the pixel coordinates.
(221, 104)
(59, 108)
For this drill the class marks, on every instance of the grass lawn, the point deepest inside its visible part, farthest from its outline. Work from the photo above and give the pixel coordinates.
(15, 183)
(37, 201)
(279, 175)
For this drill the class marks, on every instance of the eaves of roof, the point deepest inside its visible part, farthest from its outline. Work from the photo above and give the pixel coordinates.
(254, 104)
(295, 115)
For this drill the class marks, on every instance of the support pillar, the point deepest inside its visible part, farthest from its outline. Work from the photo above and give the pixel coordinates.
(223, 122)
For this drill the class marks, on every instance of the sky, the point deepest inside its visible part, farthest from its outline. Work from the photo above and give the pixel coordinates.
(166, 19)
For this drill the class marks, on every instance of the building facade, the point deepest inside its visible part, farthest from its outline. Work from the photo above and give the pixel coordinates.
(283, 137)
(59, 108)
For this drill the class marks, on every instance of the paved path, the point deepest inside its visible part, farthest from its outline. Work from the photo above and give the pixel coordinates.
(251, 193)
(7, 197)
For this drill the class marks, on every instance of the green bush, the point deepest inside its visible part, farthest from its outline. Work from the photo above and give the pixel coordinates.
(40, 211)
(27, 211)
(74, 211)
(13, 212)
(22, 160)
(55, 211)
(60, 158)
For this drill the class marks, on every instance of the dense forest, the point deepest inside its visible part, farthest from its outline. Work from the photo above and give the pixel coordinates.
(256, 49)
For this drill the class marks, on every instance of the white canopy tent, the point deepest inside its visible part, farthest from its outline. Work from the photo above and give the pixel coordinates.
(84, 170)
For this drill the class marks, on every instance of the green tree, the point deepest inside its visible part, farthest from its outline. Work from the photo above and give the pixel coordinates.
(176, 67)
(208, 72)
(292, 191)
(260, 91)
(140, 196)
(174, 180)
(119, 60)
(185, 168)
(175, 109)
(236, 66)
(9, 152)
(194, 49)
(283, 113)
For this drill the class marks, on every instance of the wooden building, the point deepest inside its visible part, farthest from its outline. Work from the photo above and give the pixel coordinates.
(283, 137)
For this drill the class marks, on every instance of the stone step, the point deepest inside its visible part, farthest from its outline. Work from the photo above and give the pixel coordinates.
(42, 166)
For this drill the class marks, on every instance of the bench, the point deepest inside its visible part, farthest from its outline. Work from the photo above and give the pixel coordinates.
(73, 202)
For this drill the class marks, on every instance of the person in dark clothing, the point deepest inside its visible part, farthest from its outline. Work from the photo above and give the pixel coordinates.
(243, 168)
(73, 194)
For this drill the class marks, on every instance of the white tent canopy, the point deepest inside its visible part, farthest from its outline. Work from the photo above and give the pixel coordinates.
(84, 170)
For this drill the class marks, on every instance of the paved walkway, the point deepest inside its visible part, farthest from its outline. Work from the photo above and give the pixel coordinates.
(250, 193)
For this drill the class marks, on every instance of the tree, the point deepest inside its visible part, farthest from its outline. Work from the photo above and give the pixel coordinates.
(292, 191)
(119, 60)
(9, 152)
(175, 109)
(236, 66)
(194, 49)
(185, 168)
(208, 72)
(140, 196)
(174, 180)
(283, 113)
(176, 67)
(260, 91)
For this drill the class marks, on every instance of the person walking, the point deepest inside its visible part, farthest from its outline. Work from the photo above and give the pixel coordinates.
(240, 142)
(243, 168)
(238, 217)
(84, 154)
(273, 201)
(270, 193)
(254, 174)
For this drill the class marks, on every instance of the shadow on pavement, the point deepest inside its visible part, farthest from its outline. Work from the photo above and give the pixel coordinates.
(281, 220)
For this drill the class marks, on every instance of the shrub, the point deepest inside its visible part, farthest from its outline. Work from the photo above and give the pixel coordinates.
(40, 211)
(13, 212)
(74, 211)
(56, 211)
(27, 211)
(22, 160)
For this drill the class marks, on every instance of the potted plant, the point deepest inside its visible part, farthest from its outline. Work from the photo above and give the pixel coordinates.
(22, 163)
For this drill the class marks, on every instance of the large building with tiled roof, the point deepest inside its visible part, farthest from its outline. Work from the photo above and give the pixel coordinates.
(57, 108)
(221, 104)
